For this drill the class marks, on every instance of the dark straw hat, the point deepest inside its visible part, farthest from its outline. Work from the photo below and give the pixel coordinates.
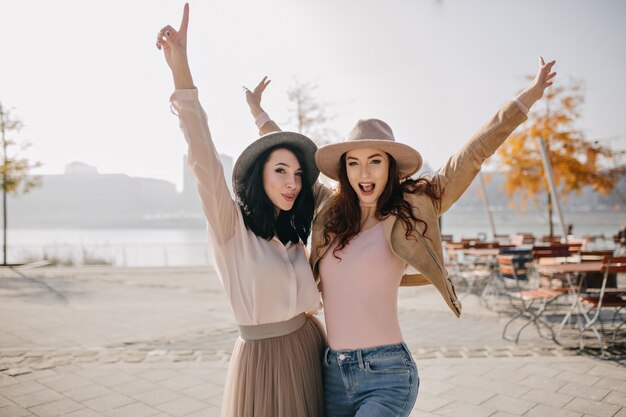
(275, 139)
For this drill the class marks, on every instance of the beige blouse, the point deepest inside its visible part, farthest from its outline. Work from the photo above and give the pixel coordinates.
(265, 281)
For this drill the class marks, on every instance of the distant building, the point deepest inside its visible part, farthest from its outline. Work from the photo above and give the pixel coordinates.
(82, 197)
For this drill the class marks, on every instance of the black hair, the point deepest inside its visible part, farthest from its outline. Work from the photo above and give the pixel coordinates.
(259, 212)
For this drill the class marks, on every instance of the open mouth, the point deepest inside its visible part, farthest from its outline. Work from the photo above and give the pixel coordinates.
(367, 188)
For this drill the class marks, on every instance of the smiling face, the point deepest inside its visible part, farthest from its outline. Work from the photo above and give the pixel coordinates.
(368, 171)
(282, 178)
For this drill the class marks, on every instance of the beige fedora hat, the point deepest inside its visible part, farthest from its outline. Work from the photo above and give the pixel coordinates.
(369, 133)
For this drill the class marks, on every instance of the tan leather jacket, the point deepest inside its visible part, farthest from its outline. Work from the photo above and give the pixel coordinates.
(425, 253)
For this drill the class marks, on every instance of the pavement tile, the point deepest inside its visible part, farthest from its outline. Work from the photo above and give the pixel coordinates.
(539, 370)
(87, 392)
(616, 397)
(509, 389)
(210, 412)
(14, 411)
(181, 382)
(547, 397)
(7, 380)
(182, 406)
(135, 386)
(114, 379)
(4, 401)
(133, 410)
(434, 387)
(85, 412)
(579, 378)
(545, 383)
(507, 374)
(157, 375)
(469, 395)
(21, 388)
(608, 371)
(108, 402)
(612, 384)
(37, 374)
(437, 374)
(93, 373)
(66, 382)
(419, 413)
(37, 398)
(595, 408)
(579, 367)
(621, 413)
(547, 411)
(509, 404)
(458, 408)
(157, 396)
(429, 402)
(470, 381)
(584, 391)
(202, 392)
(56, 408)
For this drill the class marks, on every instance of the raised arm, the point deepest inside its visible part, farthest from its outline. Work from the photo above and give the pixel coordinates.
(203, 159)
(458, 172)
(261, 119)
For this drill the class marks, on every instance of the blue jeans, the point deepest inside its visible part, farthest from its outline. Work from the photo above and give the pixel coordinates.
(380, 381)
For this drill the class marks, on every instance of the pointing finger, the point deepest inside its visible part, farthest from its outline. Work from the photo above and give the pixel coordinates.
(185, 22)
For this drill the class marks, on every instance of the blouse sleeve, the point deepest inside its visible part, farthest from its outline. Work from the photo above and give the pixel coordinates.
(205, 166)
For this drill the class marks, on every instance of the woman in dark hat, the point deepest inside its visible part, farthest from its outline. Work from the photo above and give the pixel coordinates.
(379, 230)
(258, 242)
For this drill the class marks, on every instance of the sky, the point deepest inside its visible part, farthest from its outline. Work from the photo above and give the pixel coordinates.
(89, 85)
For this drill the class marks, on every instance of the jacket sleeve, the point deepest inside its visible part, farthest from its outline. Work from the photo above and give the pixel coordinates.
(459, 171)
(205, 166)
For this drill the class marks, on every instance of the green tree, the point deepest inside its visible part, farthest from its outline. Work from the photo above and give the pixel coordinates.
(14, 171)
(576, 162)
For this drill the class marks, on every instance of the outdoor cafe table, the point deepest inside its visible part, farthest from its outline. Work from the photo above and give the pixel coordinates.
(479, 253)
(569, 269)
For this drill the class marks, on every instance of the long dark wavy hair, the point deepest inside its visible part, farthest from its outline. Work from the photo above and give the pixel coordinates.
(344, 218)
(259, 214)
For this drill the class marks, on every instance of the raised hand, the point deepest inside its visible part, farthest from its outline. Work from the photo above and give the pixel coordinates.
(174, 45)
(254, 97)
(543, 79)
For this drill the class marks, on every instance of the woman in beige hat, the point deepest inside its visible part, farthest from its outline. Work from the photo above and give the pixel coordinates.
(258, 242)
(379, 225)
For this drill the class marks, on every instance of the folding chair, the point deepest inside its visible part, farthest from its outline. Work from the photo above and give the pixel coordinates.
(602, 299)
(496, 285)
(533, 302)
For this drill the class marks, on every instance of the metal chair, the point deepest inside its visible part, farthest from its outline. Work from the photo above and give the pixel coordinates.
(533, 302)
(602, 298)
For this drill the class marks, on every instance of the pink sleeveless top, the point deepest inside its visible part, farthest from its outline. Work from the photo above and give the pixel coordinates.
(360, 292)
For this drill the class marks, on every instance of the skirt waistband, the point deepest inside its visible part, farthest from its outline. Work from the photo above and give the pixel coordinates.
(269, 330)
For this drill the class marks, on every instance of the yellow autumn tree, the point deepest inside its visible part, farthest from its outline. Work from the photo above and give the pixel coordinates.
(576, 161)
(15, 175)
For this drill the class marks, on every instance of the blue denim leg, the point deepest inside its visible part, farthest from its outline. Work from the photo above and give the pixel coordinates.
(380, 381)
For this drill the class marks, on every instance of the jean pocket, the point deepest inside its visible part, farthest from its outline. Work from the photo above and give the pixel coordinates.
(325, 362)
(388, 365)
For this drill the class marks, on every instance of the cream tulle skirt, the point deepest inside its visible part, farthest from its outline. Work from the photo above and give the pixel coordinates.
(277, 377)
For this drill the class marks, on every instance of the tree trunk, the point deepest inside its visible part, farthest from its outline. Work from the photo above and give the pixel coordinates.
(551, 224)
(4, 191)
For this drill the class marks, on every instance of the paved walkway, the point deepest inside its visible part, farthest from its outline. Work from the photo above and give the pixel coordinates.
(111, 342)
